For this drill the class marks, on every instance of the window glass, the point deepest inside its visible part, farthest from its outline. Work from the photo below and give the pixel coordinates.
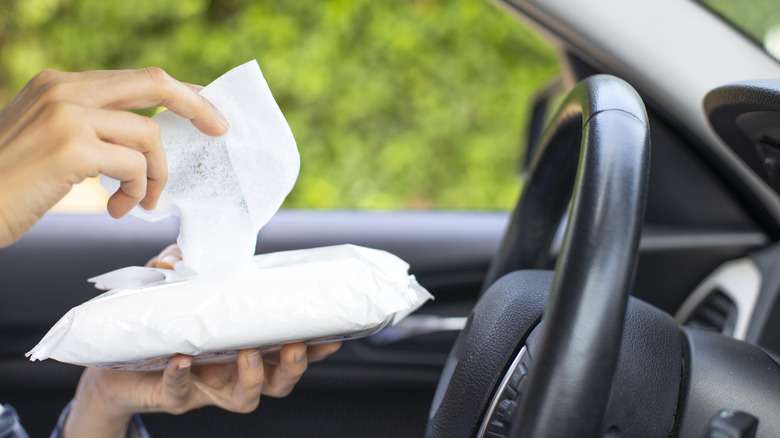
(758, 19)
(394, 105)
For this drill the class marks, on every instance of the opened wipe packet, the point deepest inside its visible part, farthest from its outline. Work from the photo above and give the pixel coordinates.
(221, 298)
(312, 295)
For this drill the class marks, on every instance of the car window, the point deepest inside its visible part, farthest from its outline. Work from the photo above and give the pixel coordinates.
(412, 105)
(758, 19)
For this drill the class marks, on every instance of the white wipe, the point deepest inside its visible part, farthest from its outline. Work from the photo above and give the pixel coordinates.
(226, 188)
(220, 299)
(289, 296)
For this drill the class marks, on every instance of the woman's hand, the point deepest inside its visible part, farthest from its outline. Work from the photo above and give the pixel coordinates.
(64, 127)
(106, 399)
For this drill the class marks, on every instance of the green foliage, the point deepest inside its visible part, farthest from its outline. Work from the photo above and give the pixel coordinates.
(754, 17)
(394, 104)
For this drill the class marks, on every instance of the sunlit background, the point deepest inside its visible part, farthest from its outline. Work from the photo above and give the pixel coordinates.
(758, 19)
(394, 104)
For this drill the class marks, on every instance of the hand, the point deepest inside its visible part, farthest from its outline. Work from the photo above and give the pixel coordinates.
(106, 399)
(64, 127)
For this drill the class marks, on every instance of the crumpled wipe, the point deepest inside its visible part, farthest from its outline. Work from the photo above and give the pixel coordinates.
(304, 295)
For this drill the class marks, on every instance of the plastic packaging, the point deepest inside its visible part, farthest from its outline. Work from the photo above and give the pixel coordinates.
(304, 295)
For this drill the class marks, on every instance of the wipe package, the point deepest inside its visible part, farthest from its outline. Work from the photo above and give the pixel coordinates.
(222, 298)
(312, 295)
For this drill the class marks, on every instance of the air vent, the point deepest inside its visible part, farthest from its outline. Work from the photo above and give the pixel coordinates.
(716, 313)
(725, 300)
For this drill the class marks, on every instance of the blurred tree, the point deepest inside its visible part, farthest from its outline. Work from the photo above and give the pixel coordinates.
(757, 18)
(394, 104)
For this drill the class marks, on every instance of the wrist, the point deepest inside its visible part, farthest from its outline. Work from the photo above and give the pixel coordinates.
(94, 413)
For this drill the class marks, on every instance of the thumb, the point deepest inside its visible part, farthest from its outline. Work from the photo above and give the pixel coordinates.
(176, 381)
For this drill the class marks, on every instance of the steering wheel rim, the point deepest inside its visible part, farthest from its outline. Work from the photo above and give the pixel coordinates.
(580, 341)
(569, 386)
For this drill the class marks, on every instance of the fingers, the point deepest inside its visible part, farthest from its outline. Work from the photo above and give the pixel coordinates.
(91, 102)
(271, 357)
(249, 384)
(167, 258)
(177, 380)
(234, 387)
(282, 378)
(129, 167)
(131, 89)
(118, 144)
(139, 133)
(319, 352)
(151, 86)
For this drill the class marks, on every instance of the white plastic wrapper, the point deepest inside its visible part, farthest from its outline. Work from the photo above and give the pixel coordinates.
(312, 295)
(220, 298)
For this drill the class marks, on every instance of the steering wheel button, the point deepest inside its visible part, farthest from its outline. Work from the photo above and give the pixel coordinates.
(732, 424)
(517, 377)
(498, 427)
(506, 408)
(509, 393)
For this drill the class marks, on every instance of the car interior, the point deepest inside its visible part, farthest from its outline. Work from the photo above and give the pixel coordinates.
(633, 290)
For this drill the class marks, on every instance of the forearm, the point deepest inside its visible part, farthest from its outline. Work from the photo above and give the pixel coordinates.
(90, 416)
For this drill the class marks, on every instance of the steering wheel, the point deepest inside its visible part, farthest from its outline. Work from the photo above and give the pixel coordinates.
(568, 352)
(572, 358)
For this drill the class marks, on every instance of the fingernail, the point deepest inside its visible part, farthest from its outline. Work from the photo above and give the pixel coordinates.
(220, 117)
(254, 359)
(222, 120)
(183, 365)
